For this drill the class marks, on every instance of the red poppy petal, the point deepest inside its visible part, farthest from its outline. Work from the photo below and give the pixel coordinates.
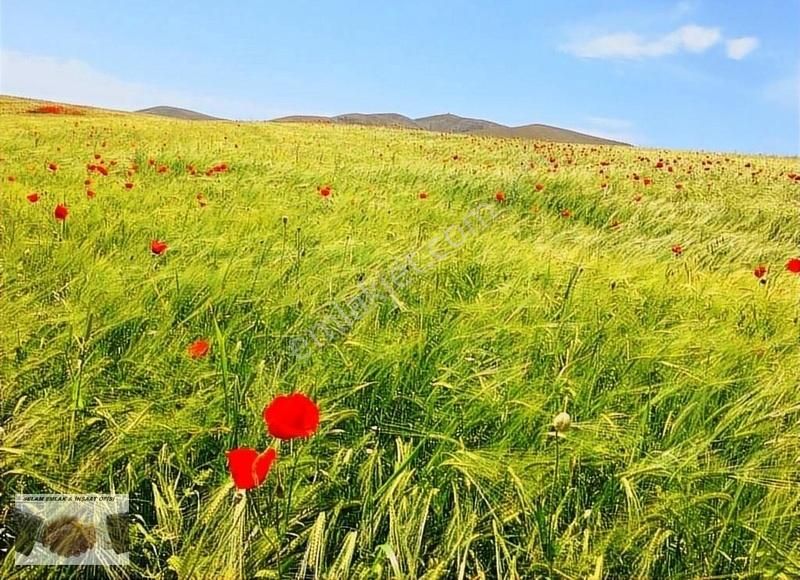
(291, 416)
(248, 468)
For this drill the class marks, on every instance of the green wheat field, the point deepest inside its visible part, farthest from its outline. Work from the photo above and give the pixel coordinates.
(646, 293)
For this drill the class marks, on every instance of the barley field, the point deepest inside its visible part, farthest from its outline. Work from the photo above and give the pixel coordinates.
(530, 360)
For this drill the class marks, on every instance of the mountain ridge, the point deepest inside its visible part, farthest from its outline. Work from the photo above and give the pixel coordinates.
(442, 123)
(450, 123)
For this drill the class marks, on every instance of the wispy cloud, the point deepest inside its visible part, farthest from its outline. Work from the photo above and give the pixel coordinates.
(690, 38)
(682, 9)
(610, 122)
(784, 92)
(612, 128)
(75, 81)
(738, 48)
(628, 45)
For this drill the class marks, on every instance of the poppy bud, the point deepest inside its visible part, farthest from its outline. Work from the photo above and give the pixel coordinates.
(562, 422)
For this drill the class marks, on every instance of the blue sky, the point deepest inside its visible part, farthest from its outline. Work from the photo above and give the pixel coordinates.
(689, 74)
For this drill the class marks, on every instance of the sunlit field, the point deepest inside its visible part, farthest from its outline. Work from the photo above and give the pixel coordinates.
(198, 270)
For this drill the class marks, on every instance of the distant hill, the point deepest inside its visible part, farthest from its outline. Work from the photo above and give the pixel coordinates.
(303, 119)
(449, 123)
(178, 113)
(549, 133)
(377, 119)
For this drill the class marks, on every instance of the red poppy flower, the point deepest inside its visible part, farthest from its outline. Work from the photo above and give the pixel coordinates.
(163, 169)
(539, 186)
(637, 198)
(33, 197)
(97, 156)
(202, 200)
(198, 349)
(12, 178)
(52, 167)
(128, 185)
(101, 169)
(678, 186)
(500, 196)
(151, 162)
(647, 181)
(793, 265)
(423, 195)
(90, 194)
(291, 416)
(61, 212)
(87, 182)
(565, 213)
(248, 467)
(677, 249)
(157, 247)
(324, 191)
(760, 271)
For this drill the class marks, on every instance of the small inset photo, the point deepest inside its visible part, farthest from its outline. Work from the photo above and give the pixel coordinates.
(69, 530)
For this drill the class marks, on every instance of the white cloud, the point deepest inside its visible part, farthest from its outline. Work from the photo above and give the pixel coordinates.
(622, 45)
(628, 45)
(738, 48)
(77, 82)
(690, 38)
(694, 38)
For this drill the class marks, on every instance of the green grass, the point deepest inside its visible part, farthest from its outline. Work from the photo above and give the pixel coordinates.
(436, 456)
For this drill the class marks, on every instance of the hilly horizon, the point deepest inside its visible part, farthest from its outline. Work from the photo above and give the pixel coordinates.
(450, 123)
(443, 123)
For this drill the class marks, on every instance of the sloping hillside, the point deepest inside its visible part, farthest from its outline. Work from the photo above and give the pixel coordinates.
(178, 113)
